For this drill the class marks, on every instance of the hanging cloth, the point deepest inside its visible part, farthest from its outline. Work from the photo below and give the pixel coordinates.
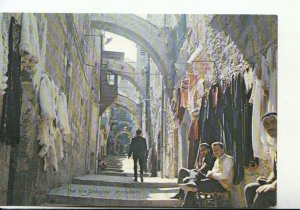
(29, 43)
(184, 93)
(272, 103)
(192, 88)
(256, 96)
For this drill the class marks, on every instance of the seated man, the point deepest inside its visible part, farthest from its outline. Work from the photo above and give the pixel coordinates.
(206, 163)
(263, 194)
(219, 179)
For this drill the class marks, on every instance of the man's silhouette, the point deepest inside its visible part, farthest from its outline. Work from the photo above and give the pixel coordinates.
(138, 148)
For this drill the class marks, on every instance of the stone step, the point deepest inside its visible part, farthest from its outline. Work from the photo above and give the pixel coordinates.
(113, 173)
(86, 195)
(124, 181)
(114, 166)
(113, 169)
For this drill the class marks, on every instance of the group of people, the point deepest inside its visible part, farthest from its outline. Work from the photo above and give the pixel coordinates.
(215, 174)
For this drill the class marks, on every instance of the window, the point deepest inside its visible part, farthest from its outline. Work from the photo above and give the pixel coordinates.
(110, 79)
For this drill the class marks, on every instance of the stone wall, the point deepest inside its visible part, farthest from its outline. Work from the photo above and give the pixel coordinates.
(64, 60)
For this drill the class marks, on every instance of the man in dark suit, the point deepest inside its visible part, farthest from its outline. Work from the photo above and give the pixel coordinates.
(204, 162)
(138, 148)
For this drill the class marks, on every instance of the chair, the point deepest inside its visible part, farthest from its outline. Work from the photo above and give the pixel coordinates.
(216, 199)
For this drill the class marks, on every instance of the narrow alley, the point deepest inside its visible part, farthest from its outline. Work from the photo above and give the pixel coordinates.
(190, 98)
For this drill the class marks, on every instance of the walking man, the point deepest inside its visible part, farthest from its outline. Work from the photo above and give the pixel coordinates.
(138, 148)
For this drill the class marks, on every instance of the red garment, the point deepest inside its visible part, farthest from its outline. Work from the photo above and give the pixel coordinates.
(193, 79)
(193, 131)
(179, 110)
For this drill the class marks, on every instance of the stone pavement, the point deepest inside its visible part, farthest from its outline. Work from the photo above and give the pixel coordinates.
(115, 189)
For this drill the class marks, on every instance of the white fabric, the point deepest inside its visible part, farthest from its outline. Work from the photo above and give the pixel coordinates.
(45, 99)
(248, 77)
(29, 41)
(43, 137)
(258, 150)
(52, 156)
(54, 94)
(272, 103)
(59, 145)
(50, 138)
(62, 114)
(265, 74)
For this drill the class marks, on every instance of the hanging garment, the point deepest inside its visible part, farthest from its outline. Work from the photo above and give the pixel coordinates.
(48, 137)
(51, 155)
(59, 138)
(184, 93)
(271, 65)
(201, 120)
(228, 118)
(248, 77)
(179, 110)
(247, 135)
(239, 129)
(45, 99)
(214, 134)
(43, 137)
(258, 150)
(193, 143)
(29, 43)
(192, 88)
(11, 104)
(220, 111)
(265, 74)
(62, 114)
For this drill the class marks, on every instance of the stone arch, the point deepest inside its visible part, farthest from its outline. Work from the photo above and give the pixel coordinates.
(145, 34)
(123, 132)
(129, 105)
(126, 71)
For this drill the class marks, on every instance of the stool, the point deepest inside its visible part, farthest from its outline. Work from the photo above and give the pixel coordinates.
(214, 199)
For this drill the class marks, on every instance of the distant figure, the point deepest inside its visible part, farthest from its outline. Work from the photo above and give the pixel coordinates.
(138, 148)
(101, 164)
